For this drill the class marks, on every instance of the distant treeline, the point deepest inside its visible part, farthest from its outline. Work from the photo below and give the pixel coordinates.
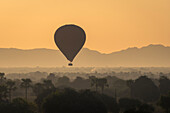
(39, 92)
(64, 69)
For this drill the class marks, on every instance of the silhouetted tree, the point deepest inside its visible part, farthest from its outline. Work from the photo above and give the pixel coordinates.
(18, 105)
(146, 108)
(94, 82)
(130, 84)
(164, 102)
(143, 108)
(164, 85)
(2, 78)
(128, 104)
(80, 83)
(144, 88)
(110, 103)
(11, 87)
(42, 90)
(26, 83)
(3, 93)
(48, 84)
(51, 76)
(98, 82)
(70, 101)
(102, 83)
(63, 81)
(38, 88)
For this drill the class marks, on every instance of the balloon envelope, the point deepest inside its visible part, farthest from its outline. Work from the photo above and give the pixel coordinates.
(70, 39)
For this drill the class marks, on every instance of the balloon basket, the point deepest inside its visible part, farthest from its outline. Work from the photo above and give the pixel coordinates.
(70, 64)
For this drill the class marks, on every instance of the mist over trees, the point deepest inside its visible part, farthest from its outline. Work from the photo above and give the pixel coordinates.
(85, 92)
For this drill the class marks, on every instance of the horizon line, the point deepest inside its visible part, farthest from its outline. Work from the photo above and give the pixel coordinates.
(88, 48)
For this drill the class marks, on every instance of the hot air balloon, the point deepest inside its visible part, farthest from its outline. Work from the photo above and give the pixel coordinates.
(70, 39)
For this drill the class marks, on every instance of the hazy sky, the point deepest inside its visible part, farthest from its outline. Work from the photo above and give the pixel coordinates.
(110, 25)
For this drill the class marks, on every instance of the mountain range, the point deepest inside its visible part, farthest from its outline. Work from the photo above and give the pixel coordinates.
(148, 56)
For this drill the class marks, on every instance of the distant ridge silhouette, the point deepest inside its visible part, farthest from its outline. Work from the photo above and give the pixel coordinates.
(148, 56)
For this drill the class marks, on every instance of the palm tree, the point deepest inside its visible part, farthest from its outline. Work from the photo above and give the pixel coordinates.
(94, 82)
(129, 83)
(98, 82)
(48, 84)
(11, 87)
(26, 83)
(2, 78)
(102, 82)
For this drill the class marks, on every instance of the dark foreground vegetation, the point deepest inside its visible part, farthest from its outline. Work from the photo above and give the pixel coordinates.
(91, 94)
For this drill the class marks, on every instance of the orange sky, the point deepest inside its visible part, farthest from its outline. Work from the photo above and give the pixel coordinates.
(110, 25)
